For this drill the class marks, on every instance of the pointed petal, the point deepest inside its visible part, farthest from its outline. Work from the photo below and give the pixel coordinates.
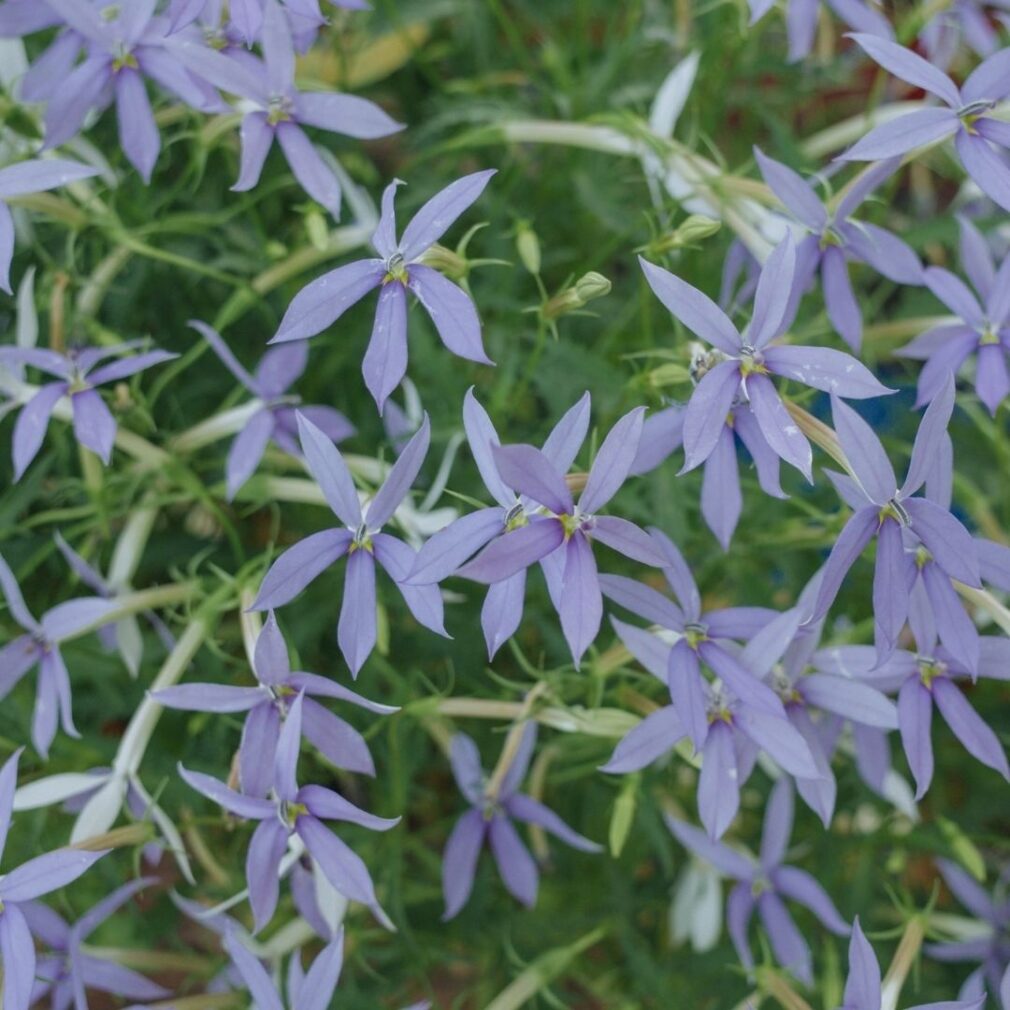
(459, 861)
(400, 478)
(385, 361)
(657, 734)
(299, 565)
(435, 218)
(320, 304)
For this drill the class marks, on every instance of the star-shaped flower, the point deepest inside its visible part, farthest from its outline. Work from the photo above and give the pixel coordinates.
(268, 705)
(490, 820)
(361, 540)
(893, 516)
(762, 883)
(69, 970)
(78, 374)
(400, 270)
(120, 54)
(560, 533)
(748, 359)
(280, 110)
(964, 115)
(290, 811)
(275, 420)
(982, 326)
(40, 646)
(833, 238)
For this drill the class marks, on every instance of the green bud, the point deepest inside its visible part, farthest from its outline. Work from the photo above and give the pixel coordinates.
(447, 262)
(592, 285)
(669, 374)
(586, 288)
(697, 228)
(528, 247)
(315, 226)
(963, 848)
(624, 814)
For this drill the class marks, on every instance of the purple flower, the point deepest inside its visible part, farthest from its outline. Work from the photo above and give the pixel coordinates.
(247, 16)
(833, 238)
(268, 704)
(78, 375)
(454, 315)
(962, 116)
(361, 540)
(802, 16)
(721, 498)
(306, 991)
(55, 63)
(443, 553)
(927, 678)
(969, 21)
(124, 636)
(120, 53)
(30, 880)
(281, 110)
(909, 530)
(728, 722)
(40, 646)
(559, 534)
(747, 361)
(862, 988)
(990, 946)
(68, 971)
(490, 819)
(293, 811)
(30, 177)
(818, 702)
(984, 331)
(275, 420)
(761, 885)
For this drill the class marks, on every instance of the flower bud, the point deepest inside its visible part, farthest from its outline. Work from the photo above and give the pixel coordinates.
(447, 262)
(528, 247)
(697, 228)
(586, 288)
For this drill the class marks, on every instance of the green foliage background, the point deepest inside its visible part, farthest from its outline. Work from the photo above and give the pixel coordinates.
(190, 248)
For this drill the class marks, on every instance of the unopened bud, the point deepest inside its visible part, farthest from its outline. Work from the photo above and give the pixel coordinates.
(586, 288)
(592, 285)
(315, 226)
(697, 228)
(528, 247)
(447, 262)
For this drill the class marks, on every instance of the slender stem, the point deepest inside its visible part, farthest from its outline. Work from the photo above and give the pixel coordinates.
(904, 957)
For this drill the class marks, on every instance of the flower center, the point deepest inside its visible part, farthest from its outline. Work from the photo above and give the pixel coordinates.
(396, 269)
(362, 540)
(290, 812)
(988, 335)
(896, 511)
(751, 362)
(695, 634)
(969, 114)
(571, 523)
(515, 518)
(930, 668)
(279, 109)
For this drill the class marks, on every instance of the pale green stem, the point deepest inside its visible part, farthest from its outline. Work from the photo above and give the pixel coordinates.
(904, 957)
(213, 429)
(130, 545)
(137, 602)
